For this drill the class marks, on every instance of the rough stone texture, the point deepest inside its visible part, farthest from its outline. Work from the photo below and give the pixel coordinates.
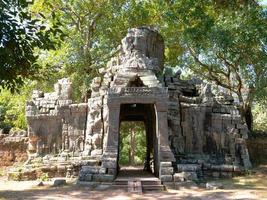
(205, 128)
(13, 147)
(185, 176)
(190, 130)
(55, 124)
(59, 182)
(257, 147)
(214, 185)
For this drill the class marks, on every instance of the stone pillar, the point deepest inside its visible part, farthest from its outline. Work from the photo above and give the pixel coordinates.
(162, 133)
(114, 124)
(165, 155)
(110, 156)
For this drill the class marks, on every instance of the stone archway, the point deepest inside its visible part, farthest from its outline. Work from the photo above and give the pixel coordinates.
(145, 113)
(153, 97)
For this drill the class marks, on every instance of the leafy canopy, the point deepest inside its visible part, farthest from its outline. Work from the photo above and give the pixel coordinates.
(20, 34)
(220, 41)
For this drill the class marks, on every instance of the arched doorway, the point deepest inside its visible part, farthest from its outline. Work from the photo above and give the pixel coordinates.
(143, 113)
(138, 104)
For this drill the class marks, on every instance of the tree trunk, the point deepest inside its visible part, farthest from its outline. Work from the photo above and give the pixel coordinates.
(248, 117)
(245, 110)
(132, 147)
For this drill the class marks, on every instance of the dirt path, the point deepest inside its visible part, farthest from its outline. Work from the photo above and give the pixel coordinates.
(242, 188)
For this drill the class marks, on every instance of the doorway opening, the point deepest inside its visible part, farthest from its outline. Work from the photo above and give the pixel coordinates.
(132, 143)
(137, 139)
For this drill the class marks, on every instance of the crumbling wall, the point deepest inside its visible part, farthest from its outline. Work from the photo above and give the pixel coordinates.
(55, 124)
(13, 148)
(138, 59)
(73, 127)
(257, 147)
(203, 127)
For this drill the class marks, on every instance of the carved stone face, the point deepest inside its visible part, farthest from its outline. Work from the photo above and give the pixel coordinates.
(145, 44)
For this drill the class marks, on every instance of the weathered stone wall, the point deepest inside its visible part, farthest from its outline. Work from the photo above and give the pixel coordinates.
(215, 134)
(140, 57)
(257, 147)
(55, 124)
(13, 148)
(44, 134)
(206, 133)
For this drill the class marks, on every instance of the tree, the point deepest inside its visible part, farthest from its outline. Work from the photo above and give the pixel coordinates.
(260, 116)
(20, 34)
(94, 30)
(132, 143)
(12, 108)
(223, 42)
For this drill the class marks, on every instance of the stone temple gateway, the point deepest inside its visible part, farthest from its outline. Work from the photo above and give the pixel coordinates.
(190, 132)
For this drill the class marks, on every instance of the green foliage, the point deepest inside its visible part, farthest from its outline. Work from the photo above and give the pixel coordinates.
(12, 108)
(132, 143)
(221, 41)
(44, 177)
(94, 30)
(260, 117)
(20, 34)
(14, 176)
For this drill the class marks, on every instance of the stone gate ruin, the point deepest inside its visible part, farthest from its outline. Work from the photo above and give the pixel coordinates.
(191, 132)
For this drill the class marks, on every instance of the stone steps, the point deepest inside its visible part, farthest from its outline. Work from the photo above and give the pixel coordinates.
(152, 185)
(139, 186)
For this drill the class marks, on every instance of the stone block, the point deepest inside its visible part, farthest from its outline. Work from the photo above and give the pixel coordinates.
(96, 152)
(226, 174)
(165, 164)
(59, 182)
(85, 177)
(166, 178)
(237, 168)
(90, 169)
(102, 70)
(227, 168)
(166, 170)
(102, 170)
(187, 176)
(214, 185)
(112, 171)
(96, 144)
(188, 167)
(179, 177)
(103, 178)
(109, 163)
(97, 80)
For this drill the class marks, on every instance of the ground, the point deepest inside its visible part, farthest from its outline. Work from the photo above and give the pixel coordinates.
(251, 186)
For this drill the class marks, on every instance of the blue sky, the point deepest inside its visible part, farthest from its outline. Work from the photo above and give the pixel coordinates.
(264, 2)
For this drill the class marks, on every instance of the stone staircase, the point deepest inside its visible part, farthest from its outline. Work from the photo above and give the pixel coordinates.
(139, 186)
(153, 185)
